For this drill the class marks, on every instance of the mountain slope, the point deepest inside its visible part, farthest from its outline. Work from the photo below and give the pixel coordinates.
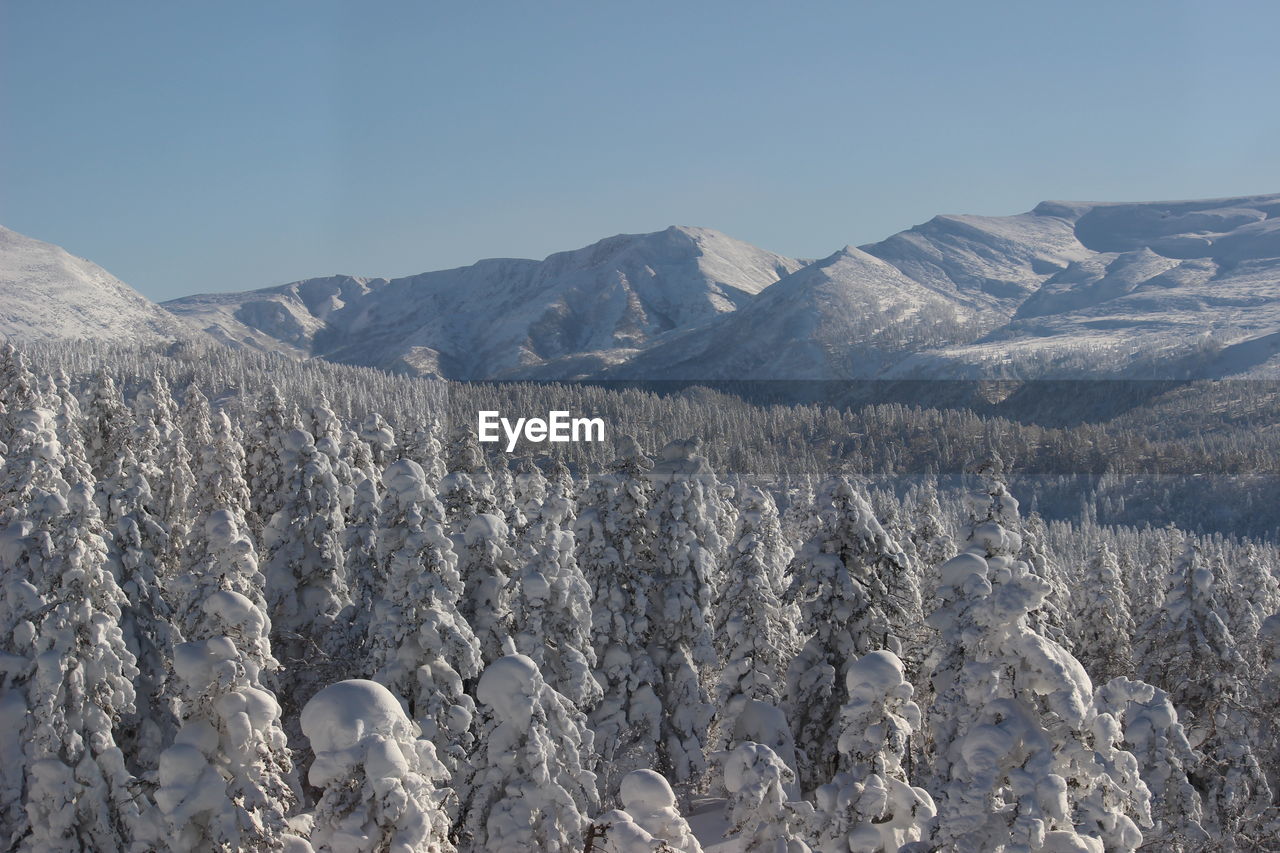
(1168, 289)
(505, 316)
(48, 294)
(1066, 290)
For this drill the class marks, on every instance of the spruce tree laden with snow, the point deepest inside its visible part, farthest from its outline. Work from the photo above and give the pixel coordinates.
(1021, 755)
(378, 778)
(306, 572)
(1188, 649)
(871, 806)
(1103, 624)
(69, 656)
(615, 537)
(684, 509)
(420, 646)
(759, 816)
(526, 785)
(551, 614)
(136, 543)
(840, 580)
(755, 631)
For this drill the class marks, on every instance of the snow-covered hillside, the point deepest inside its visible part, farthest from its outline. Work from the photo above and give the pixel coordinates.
(1069, 289)
(503, 316)
(1163, 290)
(47, 293)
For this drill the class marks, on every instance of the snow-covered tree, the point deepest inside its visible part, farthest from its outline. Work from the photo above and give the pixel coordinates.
(615, 550)
(381, 440)
(162, 450)
(649, 804)
(305, 569)
(551, 614)
(227, 782)
(526, 786)
(107, 423)
(871, 806)
(1103, 624)
(1187, 648)
(840, 580)
(265, 458)
(685, 510)
(757, 779)
(755, 631)
(1021, 755)
(468, 489)
(419, 644)
(1166, 762)
(135, 547)
(377, 776)
(487, 563)
(69, 653)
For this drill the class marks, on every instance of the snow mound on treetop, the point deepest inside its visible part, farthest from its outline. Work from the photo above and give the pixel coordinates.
(343, 714)
(510, 687)
(875, 673)
(646, 790)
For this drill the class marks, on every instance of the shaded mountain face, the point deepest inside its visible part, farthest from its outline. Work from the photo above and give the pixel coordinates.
(48, 294)
(503, 317)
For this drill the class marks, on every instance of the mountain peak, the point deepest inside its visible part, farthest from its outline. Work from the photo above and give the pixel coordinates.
(75, 298)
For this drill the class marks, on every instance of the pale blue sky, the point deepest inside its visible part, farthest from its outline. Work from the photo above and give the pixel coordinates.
(222, 146)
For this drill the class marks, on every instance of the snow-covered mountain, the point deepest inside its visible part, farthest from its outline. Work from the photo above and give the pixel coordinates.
(1161, 289)
(1069, 289)
(592, 307)
(47, 293)
(1153, 290)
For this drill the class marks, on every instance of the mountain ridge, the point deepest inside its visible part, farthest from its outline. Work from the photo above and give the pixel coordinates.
(1065, 290)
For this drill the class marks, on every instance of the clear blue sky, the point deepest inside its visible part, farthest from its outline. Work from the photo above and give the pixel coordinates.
(222, 146)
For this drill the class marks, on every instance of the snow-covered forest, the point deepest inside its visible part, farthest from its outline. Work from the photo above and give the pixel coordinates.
(256, 604)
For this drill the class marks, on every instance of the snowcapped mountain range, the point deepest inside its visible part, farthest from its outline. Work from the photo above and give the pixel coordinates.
(1160, 290)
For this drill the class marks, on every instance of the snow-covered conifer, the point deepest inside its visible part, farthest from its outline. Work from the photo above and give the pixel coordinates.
(1020, 756)
(487, 563)
(1166, 762)
(107, 423)
(162, 450)
(840, 580)
(227, 782)
(78, 670)
(306, 573)
(871, 805)
(1187, 648)
(757, 780)
(647, 799)
(376, 775)
(1103, 625)
(265, 458)
(420, 646)
(380, 438)
(137, 541)
(551, 614)
(755, 631)
(615, 551)
(469, 488)
(685, 513)
(526, 786)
